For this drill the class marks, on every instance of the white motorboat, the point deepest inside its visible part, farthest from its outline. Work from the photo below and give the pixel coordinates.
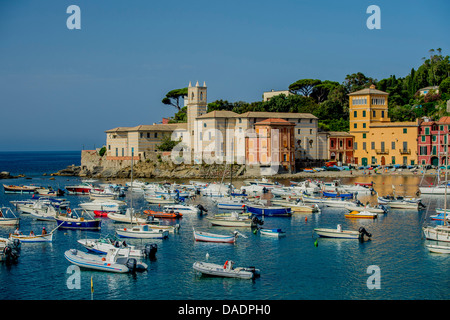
(342, 234)
(276, 233)
(103, 205)
(143, 231)
(438, 248)
(103, 245)
(45, 214)
(111, 262)
(216, 190)
(181, 208)
(127, 217)
(358, 207)
(212, 237)
(231, 204)
(437, 233)
(227, 270)
(233, 220)
(8, 218)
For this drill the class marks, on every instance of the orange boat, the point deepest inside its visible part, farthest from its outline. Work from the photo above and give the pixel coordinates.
(161, 214)
(361, 215)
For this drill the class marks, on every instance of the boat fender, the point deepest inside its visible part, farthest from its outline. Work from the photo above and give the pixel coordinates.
(69, 210)
(225, 265)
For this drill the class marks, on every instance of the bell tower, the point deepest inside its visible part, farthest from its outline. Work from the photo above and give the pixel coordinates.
(196, 106)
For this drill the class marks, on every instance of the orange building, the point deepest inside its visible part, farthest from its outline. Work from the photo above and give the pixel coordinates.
(272, 144)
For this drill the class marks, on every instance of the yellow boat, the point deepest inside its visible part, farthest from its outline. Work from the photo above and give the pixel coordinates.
(361, 215)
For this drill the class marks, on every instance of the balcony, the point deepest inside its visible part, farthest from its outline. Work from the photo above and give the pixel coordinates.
(404, 151)
(381, 151)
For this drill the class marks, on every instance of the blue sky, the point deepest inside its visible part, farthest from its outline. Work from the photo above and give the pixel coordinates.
(60, 89)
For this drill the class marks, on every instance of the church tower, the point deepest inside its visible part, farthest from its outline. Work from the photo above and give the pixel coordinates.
(196, 106)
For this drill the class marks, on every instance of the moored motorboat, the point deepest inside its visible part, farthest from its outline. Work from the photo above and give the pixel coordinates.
(213, 237)
(127, 217)
(361, 215)
(8, 218)
(269, 211)
(143, 231)
(111, 262)
(163, 214)
(19, 189)
(77, 219)
(233, 220)
(277, 233)
(342, 234)
(104, 244)
(227, 270)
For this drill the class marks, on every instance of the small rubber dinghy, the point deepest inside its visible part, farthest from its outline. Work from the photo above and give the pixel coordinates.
(112, 261)
(227, 270)
(339, 233)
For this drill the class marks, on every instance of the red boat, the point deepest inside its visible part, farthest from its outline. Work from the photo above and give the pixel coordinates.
(100, 213)
(161, 214)
(83, 188)
(364, 184)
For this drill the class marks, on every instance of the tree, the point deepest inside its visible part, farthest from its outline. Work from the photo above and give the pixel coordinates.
(304, 86)
(320, 92)
(173, 97)
(444, 87)
(357, 81)
(167, 144)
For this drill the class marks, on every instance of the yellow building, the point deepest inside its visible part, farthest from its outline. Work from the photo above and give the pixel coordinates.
(378, 141)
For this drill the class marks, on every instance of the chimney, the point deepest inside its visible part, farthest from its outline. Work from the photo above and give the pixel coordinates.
(165, 120)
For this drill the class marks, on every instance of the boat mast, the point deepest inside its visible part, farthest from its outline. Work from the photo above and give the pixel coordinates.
(446, 182)
(132, 156)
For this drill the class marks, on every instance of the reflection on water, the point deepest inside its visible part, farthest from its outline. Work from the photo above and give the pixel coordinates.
(291, 267)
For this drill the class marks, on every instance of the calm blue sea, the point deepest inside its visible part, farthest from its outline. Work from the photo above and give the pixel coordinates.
(292, 268)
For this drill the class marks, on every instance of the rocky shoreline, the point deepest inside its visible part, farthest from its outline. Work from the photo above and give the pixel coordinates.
(171, 171)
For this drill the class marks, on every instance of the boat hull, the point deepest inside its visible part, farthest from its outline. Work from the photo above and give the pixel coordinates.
(334, 233)
(229, 222)
(216, 270)
(84, 262)
(270, 211)
(78, 224)
(210, 237)
(129, 233)
(35, 238)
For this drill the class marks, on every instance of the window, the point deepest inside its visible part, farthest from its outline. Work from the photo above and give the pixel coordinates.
(364, 125)
(310, 120)
(405, 145)
(364, 136)
(156, 135)
(393, 145)
(204, 124)
(441, 128)
(427, 130)
(109, 147)
(331, 143)
(310, 131)
(405, 130)
(374, 113)
(355, 114)
(393, 160)
(364, 113)
(298, 131)
(355, 145)
(364, 146)
(382, 114)
(117, 152)
(374, 160)
(372, 145)
(141, 135)
(240, 120)
(123, 152)
(423, 138)
(355, 125)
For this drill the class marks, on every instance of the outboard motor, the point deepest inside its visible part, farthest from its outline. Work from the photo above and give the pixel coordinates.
(150, 250)
(363, 232)
(131, 264)
(202, 208)
(421, 205)
(257, 221)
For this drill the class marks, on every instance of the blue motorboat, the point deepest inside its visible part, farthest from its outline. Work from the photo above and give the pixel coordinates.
(259, 210)
(338, 195)
(77, 219)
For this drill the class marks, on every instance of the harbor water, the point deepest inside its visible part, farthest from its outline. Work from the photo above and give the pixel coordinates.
(300, 266)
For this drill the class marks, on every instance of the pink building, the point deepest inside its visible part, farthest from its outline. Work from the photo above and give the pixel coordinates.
(433, 142)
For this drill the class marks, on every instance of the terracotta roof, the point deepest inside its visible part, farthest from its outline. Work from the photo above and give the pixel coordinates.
(368, 91)
(153, 127)
(339, 133)
(275, 121)
(288, 115)
(444, 120)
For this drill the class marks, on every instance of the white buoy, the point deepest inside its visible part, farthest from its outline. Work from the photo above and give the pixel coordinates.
(207, 256)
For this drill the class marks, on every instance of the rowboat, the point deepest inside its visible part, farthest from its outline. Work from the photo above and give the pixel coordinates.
(143, 231)
(342, 234)
(227, 270)
(163, 214)
(76, 221)
(269, 211)
(272, 232)
(8, 218)
(213, 237)
(103, 245)
(44, 237)
(361, 215)
(20, 189)
(111, 262)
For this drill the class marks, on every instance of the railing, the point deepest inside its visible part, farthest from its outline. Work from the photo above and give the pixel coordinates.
(382, 151)
(405, 151)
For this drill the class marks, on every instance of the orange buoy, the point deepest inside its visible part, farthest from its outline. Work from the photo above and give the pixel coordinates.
(306, 219)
